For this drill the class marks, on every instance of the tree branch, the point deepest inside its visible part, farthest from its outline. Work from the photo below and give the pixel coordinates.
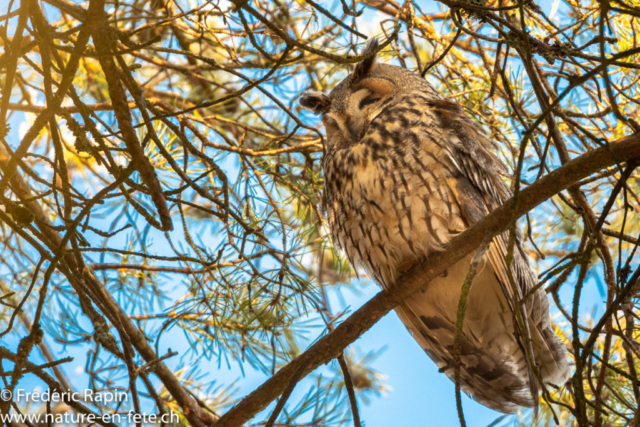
(329, 346)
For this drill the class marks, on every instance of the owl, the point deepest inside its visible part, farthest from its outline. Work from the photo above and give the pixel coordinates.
(405, 171)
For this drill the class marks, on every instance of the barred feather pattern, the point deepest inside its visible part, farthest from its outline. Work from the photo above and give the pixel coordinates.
(406, 171)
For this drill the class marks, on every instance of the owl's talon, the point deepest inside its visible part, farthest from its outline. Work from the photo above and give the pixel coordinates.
(445, 368)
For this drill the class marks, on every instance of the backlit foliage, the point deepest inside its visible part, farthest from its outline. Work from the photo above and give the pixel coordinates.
(158, 176)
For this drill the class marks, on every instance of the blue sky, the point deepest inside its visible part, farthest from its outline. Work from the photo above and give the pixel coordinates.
(418, 394)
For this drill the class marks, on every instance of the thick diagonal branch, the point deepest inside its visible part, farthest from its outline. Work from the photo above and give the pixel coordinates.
(331, 345)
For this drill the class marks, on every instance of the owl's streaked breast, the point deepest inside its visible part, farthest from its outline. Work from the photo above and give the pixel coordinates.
(421, 173)
(386, 196)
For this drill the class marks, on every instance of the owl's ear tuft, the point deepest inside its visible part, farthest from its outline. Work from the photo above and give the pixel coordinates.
(367, 65)
(315, 101)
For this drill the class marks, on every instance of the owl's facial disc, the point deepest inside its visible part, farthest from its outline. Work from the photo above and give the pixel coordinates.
(354, 103)
(365, 101)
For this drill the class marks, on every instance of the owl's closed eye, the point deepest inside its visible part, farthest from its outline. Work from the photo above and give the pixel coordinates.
(405, 171)
(347, 113)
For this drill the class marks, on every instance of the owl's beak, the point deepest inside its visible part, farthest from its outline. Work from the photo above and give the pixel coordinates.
(356, 129)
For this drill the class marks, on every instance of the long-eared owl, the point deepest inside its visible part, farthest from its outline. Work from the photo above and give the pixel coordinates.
(405, 171)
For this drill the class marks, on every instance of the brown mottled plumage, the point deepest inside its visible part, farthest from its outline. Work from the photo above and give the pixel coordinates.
(405, 172)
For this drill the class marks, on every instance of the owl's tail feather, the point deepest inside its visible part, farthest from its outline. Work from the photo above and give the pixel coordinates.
(498, 384)
(550, 355)
(493, 368)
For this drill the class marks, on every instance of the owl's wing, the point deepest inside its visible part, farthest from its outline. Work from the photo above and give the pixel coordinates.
(478, 189)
